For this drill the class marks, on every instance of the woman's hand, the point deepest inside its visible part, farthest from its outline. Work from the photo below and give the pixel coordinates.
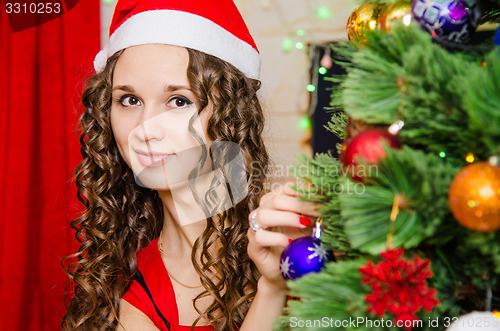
(282, 218)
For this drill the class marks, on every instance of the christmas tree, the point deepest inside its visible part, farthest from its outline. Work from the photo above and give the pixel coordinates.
(411, 207)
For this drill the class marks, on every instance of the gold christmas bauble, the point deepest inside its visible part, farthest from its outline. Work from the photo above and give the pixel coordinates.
(363, 18)
(474, 197)
(396, 13)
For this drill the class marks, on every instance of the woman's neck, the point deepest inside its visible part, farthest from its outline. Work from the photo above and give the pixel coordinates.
(185, 216)
(178, 236)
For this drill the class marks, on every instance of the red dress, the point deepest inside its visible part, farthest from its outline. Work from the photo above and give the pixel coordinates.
(158, 282)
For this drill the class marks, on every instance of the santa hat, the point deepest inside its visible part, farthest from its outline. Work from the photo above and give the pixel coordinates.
(213, 27)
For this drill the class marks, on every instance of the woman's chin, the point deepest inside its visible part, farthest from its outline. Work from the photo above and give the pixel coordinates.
(156, 180)
(152, 181)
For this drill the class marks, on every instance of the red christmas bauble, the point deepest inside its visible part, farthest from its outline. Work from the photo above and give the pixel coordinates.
(366, 149)
(474, 197)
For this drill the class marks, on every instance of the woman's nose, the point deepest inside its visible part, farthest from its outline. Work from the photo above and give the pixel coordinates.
(151, 125)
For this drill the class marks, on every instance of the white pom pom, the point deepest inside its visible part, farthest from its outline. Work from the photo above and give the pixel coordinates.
(100, 60)
(476, 321)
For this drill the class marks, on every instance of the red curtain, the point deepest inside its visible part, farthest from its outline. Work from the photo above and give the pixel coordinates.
(42, 71)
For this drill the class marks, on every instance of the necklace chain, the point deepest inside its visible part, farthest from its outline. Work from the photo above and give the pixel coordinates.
(160, 248)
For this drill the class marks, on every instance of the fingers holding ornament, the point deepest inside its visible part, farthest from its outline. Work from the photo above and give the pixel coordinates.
(252, 222)
(264, 248)
(280, 217)
(264, 239)
(270, 218)
(287, 199)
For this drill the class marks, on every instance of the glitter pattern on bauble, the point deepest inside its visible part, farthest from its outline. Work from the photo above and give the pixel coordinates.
(450, 20)
(302, 256)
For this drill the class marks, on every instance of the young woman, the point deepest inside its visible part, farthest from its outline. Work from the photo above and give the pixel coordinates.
(172, 172)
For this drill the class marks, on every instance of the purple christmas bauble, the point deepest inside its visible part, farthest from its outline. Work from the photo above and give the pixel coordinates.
(302, 256)
(451, 20)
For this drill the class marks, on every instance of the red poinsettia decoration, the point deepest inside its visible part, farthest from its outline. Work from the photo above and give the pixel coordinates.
(399, 286)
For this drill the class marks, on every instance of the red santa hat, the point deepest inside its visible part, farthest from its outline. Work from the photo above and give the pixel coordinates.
(212, 27)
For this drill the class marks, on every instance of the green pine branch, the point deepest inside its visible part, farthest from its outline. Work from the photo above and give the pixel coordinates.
(323, 173)
(335, 293)
(490, 10)
(420, 181)
(450, 102)
(482, 101)
(405, 75)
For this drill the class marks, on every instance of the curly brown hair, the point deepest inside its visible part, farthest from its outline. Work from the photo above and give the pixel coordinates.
(122, 217)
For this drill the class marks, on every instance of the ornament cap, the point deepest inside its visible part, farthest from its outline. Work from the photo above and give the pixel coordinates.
(396, 127)
(317, 228)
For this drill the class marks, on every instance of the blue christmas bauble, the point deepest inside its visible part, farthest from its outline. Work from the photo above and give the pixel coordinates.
(497, 37)
(449, 20)
(302, 256)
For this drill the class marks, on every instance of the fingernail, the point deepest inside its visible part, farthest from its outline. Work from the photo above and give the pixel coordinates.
(290, 240)
(304, 221)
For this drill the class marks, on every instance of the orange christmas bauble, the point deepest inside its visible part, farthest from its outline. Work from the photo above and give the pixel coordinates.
(474, 197)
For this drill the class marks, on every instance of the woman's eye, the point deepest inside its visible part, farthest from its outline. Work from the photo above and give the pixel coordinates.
(180, 102)
(129, 100)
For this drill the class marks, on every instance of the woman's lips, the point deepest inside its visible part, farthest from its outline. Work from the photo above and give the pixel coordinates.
(153, 159)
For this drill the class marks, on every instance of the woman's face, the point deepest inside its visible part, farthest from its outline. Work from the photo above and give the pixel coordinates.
(150, 113)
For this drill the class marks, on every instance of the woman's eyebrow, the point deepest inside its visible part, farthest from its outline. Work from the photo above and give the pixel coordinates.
(171, 88)
(125, 88)
(167, 88)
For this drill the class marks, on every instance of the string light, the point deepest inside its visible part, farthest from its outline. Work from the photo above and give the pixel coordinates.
(323, 13)
(299, 45)
(311, 87)
(469, 158)
(407, 19)
(471, 203)
(300, 32)
(305, 123)
(322, 70)
(287, 44)
(442, 154)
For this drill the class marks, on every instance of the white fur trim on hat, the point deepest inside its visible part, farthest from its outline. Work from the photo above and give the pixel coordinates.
(184, 29)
